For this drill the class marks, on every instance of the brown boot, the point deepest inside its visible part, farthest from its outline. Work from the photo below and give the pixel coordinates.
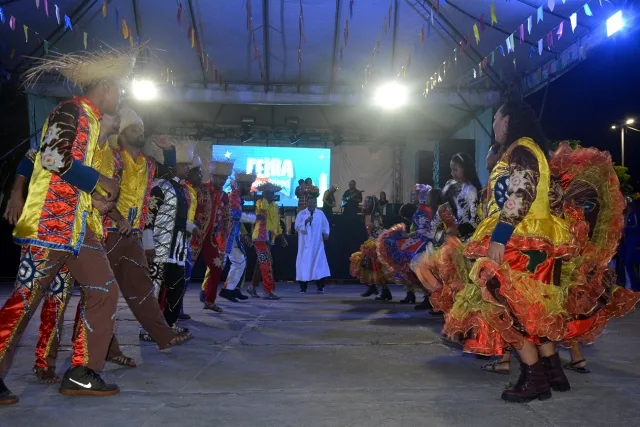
(555, 374)
(533, 384)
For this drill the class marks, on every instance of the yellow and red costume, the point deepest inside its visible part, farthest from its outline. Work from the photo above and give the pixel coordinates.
(364, 264)
(264, 236)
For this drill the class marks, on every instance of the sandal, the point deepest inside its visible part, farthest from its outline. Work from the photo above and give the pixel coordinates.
(123, 360)
(178, 339)
(270, 296)
(252, 291)
(212, 307)
(573, 366)
(144, 336)
(46, 376)
(493, 367)
(179, 329)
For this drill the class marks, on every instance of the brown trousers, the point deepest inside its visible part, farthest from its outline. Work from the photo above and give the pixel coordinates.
(129, 264)
(96, 310)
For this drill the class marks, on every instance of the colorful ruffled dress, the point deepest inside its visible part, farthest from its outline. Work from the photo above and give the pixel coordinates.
(397, 249)
(365, 265)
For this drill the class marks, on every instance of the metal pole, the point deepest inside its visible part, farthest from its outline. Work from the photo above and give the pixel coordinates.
(622, 144)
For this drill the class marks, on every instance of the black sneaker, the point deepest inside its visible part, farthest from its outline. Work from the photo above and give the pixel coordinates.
(82, 381)
(6, 397)
(228, 295)
(239, 295)
(184, 316)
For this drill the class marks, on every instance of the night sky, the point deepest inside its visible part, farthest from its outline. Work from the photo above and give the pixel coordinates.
(600, 91)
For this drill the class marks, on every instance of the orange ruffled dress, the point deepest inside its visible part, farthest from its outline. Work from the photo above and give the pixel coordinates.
(364, 264)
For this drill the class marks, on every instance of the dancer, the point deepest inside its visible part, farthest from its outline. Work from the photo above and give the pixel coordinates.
(464, 189)
(396, 248)
(214, 215)
(124, 227)
(265, 233)
(191, 185)
(238, 237)
(311, 262)
(56, 227)
(58, 294)
(166, 233)
(364, 264)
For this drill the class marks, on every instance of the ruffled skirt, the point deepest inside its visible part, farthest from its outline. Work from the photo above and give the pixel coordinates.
(365, 266)
(397, 249)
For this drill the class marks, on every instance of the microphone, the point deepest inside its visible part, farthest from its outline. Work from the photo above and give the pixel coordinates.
(311, 217)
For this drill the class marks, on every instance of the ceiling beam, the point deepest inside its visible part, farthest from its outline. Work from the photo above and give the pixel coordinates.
(196, 33)
(59, 32)
(395, 36)
(336, 43)
(288, 95)
(266, 43)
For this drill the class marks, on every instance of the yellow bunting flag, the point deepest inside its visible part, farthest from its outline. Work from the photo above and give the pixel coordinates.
(476, 33)
(104, 8)
(193, 38)
(125, 29)
(132, 42)
(85, 40)
(26, 33)
(494, 18)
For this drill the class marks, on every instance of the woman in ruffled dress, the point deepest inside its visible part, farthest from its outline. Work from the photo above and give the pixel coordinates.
(365, 265)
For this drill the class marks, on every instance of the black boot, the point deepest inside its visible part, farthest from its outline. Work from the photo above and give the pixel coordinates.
(228, 295)
(371, 290)
(424, 305)
(533, 384)
(239, 295)
(82, 381)
(6, 397)
(409, 299)
(385, 295)
(555, 374)
(303, 287)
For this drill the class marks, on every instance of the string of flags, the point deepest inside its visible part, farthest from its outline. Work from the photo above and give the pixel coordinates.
(509, 45)
(386, 26)
(68, 24)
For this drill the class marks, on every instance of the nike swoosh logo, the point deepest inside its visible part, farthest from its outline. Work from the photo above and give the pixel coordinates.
(87, 385)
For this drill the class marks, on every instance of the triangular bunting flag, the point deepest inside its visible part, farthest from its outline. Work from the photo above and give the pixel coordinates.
(57, 14)
(193, 38)
(560, 28)
(67, 23)
(104, 8)
(574, 21)
(132, 42)
(493, 57)
(494, 18)
(551, 4)
(515, 68)
(540, 17)
(508, 41)
(550, 39)
(529, 24)
(46, 7)
(125, 29)
(532, 51)
(26, 33)
(521, 33)
(587, 10)
(12, 23)
(38, 4)
(476, 33)
(540, 47)
(502, 49)
(513, 44)
(84, 39)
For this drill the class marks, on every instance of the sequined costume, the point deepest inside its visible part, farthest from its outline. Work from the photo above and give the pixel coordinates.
(364, 264)
(59, 227)
(465, 197)
(166, 224)
(264, 236)
(213, 214)
(235, 249)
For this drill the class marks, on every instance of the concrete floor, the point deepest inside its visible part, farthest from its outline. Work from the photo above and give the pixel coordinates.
(320, 360)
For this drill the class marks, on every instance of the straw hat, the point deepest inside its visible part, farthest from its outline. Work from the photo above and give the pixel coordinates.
(128, 117)
(267, 186)
(86, 68)
(221, 167)
(244, 178)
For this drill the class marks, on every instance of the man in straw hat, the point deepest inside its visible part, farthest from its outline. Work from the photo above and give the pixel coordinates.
(166, 234)
(55, 227)
(125, 225)
(238, 237)
(213, 214)
(266, 231)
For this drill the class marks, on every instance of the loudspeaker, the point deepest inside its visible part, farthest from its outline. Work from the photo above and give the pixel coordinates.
(424, 167)
(448, 149)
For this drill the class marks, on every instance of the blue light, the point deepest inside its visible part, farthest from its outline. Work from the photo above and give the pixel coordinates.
(615, 23)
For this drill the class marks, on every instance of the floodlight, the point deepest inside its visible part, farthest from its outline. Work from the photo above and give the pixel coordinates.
(391, 95)
(144, 90)
(615, 23)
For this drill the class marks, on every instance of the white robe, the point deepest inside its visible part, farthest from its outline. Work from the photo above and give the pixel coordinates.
(311, 263)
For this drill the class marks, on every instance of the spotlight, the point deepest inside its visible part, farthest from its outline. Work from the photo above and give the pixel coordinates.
(144, 90)
(614, 127)
(391, 95)
(629, 121)
(615, 23)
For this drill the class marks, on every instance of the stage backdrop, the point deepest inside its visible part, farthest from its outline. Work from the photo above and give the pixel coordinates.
(283, 166)
(370, 166)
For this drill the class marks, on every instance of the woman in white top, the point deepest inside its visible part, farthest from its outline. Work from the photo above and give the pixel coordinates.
(464, 189)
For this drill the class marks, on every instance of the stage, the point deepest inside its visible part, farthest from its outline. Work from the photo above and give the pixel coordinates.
(319, 360)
